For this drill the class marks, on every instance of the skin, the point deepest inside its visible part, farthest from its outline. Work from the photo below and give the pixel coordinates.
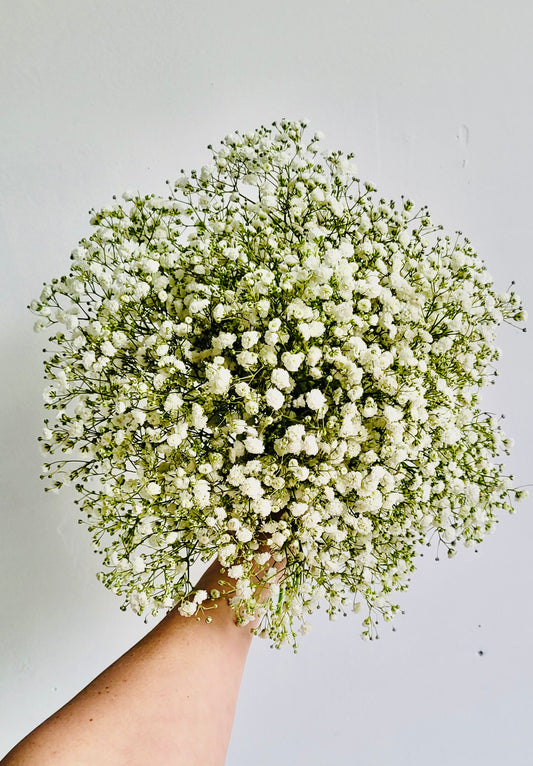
(169, 700)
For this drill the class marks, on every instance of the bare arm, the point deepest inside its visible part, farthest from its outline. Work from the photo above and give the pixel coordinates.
(169, 700)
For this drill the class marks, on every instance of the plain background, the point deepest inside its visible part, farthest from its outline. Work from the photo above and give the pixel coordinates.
(435, 100)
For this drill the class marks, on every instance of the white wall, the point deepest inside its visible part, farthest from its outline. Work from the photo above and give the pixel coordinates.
(434, 97)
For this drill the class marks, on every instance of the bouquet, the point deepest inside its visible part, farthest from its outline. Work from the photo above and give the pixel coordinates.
(273, 367)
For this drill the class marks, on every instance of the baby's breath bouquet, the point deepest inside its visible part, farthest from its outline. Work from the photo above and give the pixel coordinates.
(273, 367)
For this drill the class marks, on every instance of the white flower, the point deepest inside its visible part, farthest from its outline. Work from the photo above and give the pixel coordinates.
(224, 340)
(274, 398)
(198, 305)
(138, 563)
(262, 506)
(292, 361)
(219, 379)
(226, 553)
(199, 420)
(202, 492)
(242, 389)
(451, 434)
(254, 445)
(152, 489)
(141, 291)
(247, 359)
(251, 487)
(244, 535)
(304, 330)
(302, 471)
(173, 402)
(316, 328)
(298, 206)
(200, 596)
(120, 339)
(310, 444)
(268, 355)
(188, 608)
(298, 309)
(274, 357)
(315, 399)
(88, 359)
(236, 475)
(363, 525)
(236, 571)
(313, 356)
(317, 195)
(234, 524)
(404, 238)
(278, 538)
(249, 338)
(298, 509)
(280, 378)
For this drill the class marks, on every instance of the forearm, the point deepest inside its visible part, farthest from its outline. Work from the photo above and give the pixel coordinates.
(169, 700)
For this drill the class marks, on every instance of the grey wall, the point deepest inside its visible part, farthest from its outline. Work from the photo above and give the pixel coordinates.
(435, 100)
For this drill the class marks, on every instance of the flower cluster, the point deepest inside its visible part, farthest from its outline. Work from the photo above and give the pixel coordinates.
(269, 365)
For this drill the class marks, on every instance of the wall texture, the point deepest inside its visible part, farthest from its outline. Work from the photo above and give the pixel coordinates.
(435, 100)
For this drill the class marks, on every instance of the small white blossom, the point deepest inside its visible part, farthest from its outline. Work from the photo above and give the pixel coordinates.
(262, 506)
(202, 492)
(254, 445)
(88, 359)
(242, 388)
(251, 487)
(250, 338)
(244, 535)
(219, 380)
(280, 378)
(173, 402)
(299, 310)
(313, 356)
(138, 564)
(274, 398)
(246, 359)
(188, 609)
(292, 362)
(199, 419)
(315, 399)
(310, 444)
